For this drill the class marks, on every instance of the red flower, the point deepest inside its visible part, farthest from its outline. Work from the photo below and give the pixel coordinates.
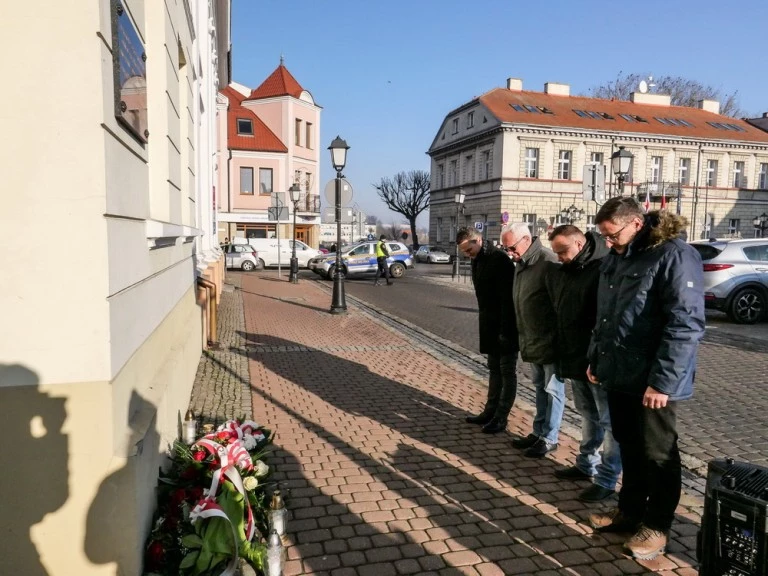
(223, 436)
(155, 556)
(188, 473)
(198, 455)
(195, 493)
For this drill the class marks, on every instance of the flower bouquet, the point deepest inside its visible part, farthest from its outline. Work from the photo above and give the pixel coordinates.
(212, 507)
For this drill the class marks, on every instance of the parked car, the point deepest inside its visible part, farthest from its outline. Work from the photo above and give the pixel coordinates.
(359, 259)
(736, 277)
(271, 251)
(241, 256)
(431, 255)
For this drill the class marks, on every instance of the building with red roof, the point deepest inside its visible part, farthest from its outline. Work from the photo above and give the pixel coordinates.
(523, 156)
(269, 139)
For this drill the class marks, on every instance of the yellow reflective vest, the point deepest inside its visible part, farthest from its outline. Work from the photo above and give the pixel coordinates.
(381, 251)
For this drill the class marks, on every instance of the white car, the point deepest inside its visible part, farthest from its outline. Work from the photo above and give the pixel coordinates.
(241, 256)
(431, 255)
(360, 259)
(270, 251)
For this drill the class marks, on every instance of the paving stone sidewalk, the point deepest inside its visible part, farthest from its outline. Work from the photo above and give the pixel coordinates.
(382, 474)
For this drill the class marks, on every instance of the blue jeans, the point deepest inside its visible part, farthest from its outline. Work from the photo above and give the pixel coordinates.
(592, 404)
(550, 402)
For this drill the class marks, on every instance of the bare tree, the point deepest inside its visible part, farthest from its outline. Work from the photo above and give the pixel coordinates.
(683, 92)
(408, 194)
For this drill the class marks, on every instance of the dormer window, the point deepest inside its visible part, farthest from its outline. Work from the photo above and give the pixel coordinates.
(245, 126)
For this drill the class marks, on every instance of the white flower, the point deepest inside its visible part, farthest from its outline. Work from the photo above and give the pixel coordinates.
(250, 483)
(260, 469)
(249, 441)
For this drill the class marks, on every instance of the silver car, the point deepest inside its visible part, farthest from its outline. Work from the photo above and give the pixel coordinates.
(431, 255)
(736, 277)
(242, 256)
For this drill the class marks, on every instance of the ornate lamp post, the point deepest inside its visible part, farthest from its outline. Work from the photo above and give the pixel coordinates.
(295, 194)
(458, 198)
(621, 161)
(338, 150)
(761, 223)
(571, 214)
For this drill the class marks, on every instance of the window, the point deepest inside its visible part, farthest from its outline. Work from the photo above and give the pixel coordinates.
(470, 120)
(711, 179)
(596, 157)
(530, 219)
(657, 166)
(517, 107)
(469, 168)
(531, 162)
(739, 180)
(439, 230)
(487, 164)
(560, 220)
(581, 113)
(532, 109)
(245, 126)
(246, 180)
(297, 135)
(307, 181)
(734, 224)
(591, 223)
(564, 165)
(265, 180)
(628, 118)
(757, 253)
(453, 173)
(684, 171)
(297, 176)
(440, 176)
(308, 141)
(763, 176)
(455, 126)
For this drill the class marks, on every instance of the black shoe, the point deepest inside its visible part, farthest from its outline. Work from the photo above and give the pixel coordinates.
(571, 473)
(494, 426)
(595, 493)
(481, 418)
(526, 442)
(540, 449)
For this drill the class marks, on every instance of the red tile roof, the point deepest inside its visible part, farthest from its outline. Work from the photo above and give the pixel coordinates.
(279, 83)
(262, 140)
(499, 101)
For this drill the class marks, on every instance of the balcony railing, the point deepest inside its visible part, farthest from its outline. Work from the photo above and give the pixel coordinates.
(658, 189)
(309, 203)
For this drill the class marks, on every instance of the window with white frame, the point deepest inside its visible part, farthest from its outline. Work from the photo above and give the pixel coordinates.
(265, 180)
(245, 126)
(560, 220)
(657, 167)
(440, 176)
(439, 230)
(564, 165)
(596, 157)
(530, 219)
(734, 226)
(763, 176)
(297, 176)
(531, 162)
(738, 175)
(470, 120)
(684, 171)
(711, 178)
(590, 223)
(453, 173)
(486, 164)
(308, 181)
(297, 132)
(308, 140)
(469, 168)
(455, 126)
(246, 180)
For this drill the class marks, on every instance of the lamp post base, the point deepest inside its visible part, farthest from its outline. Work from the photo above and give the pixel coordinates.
(455, 269)
(339, 300)
(293, 277)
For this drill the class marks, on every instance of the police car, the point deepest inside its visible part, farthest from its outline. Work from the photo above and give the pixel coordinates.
(360, 259)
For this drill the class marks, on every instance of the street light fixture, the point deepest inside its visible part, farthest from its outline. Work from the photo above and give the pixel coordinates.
(338, 150)
(295, 194)
(458, 199)
(761, 223)
(571, 214)
(621, 162)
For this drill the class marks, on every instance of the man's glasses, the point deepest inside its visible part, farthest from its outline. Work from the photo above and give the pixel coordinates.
(615, 236)
(510, 249)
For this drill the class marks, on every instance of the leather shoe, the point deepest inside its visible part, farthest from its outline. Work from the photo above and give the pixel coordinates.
(481, 418)
(595, 493)
(494, 426)
(572, 473)
(540, 449)
(526, 442)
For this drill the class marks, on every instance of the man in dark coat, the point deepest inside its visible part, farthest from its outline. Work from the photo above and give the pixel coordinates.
(493, 275)
(650, 319)
(536, 325)
(573, 290)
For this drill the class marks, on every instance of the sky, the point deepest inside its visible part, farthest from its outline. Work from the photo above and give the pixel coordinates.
(386, 73)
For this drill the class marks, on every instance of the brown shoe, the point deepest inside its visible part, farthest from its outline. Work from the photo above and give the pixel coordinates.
(612, 521)
(647, 543)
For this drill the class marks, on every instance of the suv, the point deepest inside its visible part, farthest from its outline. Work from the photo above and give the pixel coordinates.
(359, 259)
(736, 277)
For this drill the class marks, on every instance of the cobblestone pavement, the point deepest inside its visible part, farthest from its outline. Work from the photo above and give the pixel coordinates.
(384, 477)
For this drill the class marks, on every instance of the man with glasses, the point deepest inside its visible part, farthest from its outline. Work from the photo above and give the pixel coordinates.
(493, 275)
(650, 318)
(537, 328)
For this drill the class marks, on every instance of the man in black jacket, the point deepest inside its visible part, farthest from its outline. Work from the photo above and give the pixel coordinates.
(493, 276)
(650, 318)
(573, 290)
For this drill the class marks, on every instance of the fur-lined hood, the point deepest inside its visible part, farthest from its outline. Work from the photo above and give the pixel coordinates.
(660, 226)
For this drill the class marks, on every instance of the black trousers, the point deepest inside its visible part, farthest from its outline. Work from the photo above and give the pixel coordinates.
(383, 269)
(502, 385)
(651, 482)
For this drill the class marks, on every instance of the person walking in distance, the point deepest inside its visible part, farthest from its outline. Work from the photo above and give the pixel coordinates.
(493, 276)
(382, 253)
(572, 287)
(536, 325)
(650, 319)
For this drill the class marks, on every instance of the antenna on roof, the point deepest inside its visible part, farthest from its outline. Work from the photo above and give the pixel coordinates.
(282, 59)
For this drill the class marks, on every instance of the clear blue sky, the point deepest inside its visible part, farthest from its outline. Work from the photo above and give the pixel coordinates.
(387, 72)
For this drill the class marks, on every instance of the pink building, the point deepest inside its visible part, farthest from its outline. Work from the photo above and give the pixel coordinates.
(272, 136)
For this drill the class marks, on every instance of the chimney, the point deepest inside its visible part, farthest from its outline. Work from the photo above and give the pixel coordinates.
(557, 89)
(765, 114)
(514, 84)
(709, 105)
(655, 99)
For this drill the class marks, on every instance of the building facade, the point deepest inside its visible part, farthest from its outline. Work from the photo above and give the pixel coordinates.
(103, 329)
(270, 141)
(523, 153)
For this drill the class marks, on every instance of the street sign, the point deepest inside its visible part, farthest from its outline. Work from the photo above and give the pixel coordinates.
(346, 192)
(593, 183)
(370, 237)
(329, 215)
(479, 226)
(277, 214)
(504, 217)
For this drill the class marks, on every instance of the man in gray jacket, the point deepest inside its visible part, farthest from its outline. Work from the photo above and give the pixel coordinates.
(537, 328)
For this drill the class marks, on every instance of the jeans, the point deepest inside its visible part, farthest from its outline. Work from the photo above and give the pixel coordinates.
(550, 402)
(502, 385)
(592, 404)
(650, 489)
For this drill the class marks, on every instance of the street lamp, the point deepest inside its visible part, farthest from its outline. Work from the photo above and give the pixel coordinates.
(571, 214)
(761, 223)
(621, 162)
(458, 198)
(338, 150)
(295, 193)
